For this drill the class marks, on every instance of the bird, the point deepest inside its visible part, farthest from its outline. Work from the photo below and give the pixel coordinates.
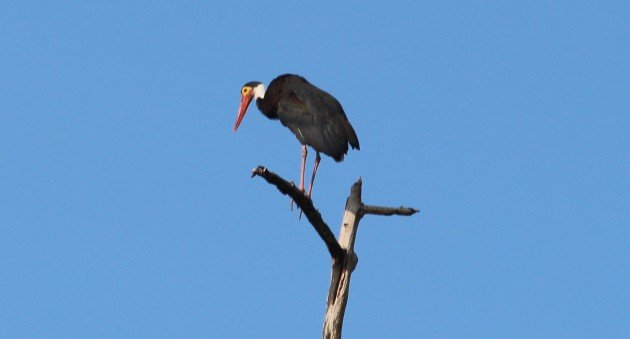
(314, 116)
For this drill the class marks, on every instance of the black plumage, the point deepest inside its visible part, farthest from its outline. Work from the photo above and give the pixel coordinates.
(314, 116)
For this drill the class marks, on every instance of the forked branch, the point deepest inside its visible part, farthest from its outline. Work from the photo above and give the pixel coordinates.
(342, 251)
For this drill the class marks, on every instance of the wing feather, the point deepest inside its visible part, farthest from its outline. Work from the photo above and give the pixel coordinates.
(316, 118)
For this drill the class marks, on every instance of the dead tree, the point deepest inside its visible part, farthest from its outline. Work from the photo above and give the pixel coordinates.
(344, 260)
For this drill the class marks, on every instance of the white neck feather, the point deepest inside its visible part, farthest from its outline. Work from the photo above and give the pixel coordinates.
(259, 91)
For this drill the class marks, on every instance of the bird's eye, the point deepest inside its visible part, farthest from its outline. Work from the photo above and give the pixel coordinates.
(245, 90)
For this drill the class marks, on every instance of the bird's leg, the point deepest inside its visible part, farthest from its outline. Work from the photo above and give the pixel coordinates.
(317, 159)
(310, 189)
(302, 169)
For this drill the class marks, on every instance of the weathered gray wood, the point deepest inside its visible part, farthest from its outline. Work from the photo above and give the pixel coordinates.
(342, 271)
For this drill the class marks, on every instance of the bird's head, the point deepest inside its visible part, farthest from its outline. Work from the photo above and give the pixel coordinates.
(249, 91)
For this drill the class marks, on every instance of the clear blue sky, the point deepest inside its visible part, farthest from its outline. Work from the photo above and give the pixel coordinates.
(127, 210)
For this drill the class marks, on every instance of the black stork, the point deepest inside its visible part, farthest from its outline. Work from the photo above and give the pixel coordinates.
(314, 116)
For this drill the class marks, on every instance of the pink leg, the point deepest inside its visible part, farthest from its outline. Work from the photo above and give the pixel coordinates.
(303, 167)
(317, 159)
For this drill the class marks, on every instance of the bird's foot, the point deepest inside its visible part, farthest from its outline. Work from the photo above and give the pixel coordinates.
(308, 195)
(293, 201)
(301, 189)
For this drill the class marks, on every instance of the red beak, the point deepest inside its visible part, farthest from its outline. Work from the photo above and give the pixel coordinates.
(246, 99)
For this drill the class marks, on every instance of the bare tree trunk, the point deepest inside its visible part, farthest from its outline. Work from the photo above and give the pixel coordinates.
(342, 270)
(342, 251)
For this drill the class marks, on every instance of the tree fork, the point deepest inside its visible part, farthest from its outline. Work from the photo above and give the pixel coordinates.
(344, 260)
